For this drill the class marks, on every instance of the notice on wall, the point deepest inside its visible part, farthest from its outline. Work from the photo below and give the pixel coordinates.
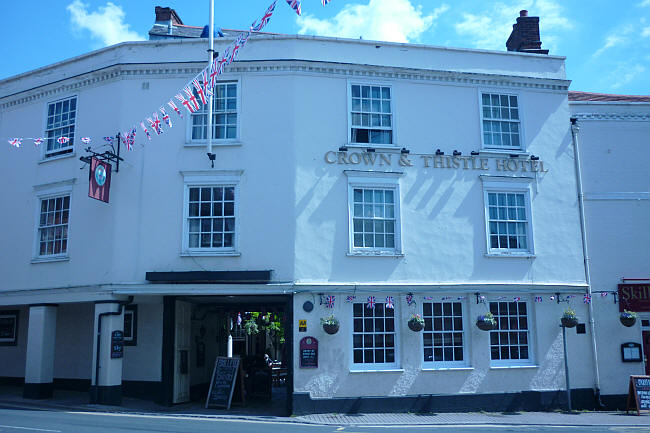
(308, 352)
(117, 344)
(638, 396)
(223, 381)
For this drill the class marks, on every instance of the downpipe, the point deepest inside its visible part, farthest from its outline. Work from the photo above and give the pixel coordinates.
(585, 252)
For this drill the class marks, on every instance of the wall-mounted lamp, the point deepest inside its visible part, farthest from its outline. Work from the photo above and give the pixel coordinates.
(405, 151)
(457, 153)
(439, 152)
(370, 150)
(343, 149)
(514, 155)
(534, 158)
(474, 153)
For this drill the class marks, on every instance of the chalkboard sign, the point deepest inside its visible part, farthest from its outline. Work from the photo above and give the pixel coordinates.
(223, 381)
(638, 395)
(308, 352)
(117, 344)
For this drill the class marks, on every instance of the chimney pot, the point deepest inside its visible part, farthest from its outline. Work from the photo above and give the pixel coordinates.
(523, 13)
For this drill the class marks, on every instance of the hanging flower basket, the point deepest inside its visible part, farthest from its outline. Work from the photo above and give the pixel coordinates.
(416, 323)
(628, 318)
(486, 322)
(569, 318)
(330, 324)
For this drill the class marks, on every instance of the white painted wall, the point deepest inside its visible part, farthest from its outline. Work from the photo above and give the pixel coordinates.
(144, 360)
(74, 341)
(12, 358)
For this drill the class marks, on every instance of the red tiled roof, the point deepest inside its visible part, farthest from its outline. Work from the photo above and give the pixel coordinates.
(604, 97)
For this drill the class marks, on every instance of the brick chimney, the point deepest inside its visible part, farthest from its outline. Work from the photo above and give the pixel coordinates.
(525, 35)
(167, 16)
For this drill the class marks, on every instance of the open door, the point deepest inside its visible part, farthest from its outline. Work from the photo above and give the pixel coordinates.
(182, 342)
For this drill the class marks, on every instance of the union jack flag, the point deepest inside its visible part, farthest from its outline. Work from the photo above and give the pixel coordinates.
(16, 142)
(538, 299)
(38, 141)
(173, 106)
(409, 299)
(295, 5)
(517, 298)
(86, 140)
(604, 294)
(144, 128)
(461, 298)
(191, 104)
(235, 49)
(109, 140)
(207, 86)
(255, 27)
(128, 140)
(156, 124)
(330, 301)
(350, 298)
(239, 318)
(199, 91)
(371, 302)
(501, 298)
(390, 302)
(63, 140)
(166, 117)
(325, 2)
(552, 298)
(214, 71)
(446, 298)
(587, 298)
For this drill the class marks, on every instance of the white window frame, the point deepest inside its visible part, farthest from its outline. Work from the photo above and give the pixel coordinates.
(384, 366)
(45, 155)
(46, 192)
(502, 149)
(505, 184)
(190, 142)
(531, 349)
(374, 180)
(216, 178)
(448, 364)
(393, 107)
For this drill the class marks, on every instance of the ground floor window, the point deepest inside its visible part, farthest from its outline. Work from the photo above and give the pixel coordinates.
(8, 328)
(373, 338)
(442, 339)
(509, 342)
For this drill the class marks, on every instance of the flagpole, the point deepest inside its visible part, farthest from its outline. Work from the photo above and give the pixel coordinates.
(210, 54)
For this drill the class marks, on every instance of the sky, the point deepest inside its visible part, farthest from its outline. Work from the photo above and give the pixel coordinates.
(606, 42)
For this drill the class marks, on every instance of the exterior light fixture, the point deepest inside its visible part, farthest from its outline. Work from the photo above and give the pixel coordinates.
(534, 158)
(514, 155)
(343, 149)
(439, 152)
(370, 150)
(457, 153)
(474, 153)
(405, 151)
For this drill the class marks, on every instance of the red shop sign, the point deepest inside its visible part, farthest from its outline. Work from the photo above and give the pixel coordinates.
(634, 297)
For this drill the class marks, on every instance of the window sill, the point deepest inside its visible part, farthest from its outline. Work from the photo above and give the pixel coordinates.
(448, 369)
(383, 370)
(210, 254)
(215, 143)
(393, 146)
(49, 259)
(508, 367)
(58, 157)
(512, 255)
(374, 254)
(499, 152)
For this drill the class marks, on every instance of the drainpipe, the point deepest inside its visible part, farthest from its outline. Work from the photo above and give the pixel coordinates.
(99, 339)
(583, 230)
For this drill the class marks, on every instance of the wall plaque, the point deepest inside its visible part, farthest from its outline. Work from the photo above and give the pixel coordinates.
(309, 353)
(117, 344)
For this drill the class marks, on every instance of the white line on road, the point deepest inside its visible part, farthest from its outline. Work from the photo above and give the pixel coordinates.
(29, 428)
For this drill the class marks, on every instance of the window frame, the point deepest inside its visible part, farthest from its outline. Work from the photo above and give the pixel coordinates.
(392, 366)
(501, 149)
(374, 180)
(393, 105)
(132, 310)
(531, 348)
(433, 365)
(16, 316)
(505, 184)
(191, 142)
(45, 155)
(46, 192)
(212, 179)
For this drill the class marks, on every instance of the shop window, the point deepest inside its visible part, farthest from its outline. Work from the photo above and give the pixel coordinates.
(443, 335)
(510, 341)
(374, 336)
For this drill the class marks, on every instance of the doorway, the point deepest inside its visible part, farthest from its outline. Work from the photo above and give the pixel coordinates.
(257, 329)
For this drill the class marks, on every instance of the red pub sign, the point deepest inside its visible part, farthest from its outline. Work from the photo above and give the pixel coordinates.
(634, 297)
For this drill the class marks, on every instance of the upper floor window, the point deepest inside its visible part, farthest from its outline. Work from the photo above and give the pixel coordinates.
(53, 226)
(59, 133)
(224, 115)
(443, 336)
(371, 119)
(501, 123)
(509, 342)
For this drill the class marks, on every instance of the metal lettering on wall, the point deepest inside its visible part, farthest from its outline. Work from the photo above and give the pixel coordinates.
(634, 297)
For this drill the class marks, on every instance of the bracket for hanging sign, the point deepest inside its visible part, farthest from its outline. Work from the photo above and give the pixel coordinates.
(106, 156)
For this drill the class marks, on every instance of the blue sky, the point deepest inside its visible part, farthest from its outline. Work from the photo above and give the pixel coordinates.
(607, 43)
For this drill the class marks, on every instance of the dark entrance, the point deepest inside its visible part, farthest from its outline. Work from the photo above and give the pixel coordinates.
(260, 333)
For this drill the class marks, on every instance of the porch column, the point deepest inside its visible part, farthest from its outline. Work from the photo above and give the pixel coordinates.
(39, 364)
(106, 374)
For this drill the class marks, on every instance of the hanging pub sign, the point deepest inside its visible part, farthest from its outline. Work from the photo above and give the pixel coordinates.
(100, 180)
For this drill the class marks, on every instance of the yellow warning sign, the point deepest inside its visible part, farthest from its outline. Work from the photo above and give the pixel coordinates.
(302, 325)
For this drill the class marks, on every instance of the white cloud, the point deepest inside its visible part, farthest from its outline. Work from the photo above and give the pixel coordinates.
(624, 74)
(106, 24)
(645, 3)
(620, 36)
(491, 28)
(646, 32)
(383, 20)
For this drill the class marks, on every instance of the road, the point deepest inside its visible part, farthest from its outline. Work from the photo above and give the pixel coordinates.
(46, 421)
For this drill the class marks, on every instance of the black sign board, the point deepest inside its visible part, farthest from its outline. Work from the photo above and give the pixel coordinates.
(638, 395)
(308, 352)
(631, 352)
(117, 344)
(225, 373)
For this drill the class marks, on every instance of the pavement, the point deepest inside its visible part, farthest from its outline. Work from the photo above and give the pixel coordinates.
(11, 398)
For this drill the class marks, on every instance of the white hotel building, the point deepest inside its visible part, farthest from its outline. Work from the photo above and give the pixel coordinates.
(345, 168)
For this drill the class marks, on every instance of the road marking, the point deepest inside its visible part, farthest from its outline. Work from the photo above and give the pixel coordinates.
(29, 428)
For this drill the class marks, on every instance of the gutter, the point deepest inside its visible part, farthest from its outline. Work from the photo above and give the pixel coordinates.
(585, 252)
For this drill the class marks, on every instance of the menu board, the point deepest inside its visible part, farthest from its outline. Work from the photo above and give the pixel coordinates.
(223, 381)
(308, 352)
(638, 397)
